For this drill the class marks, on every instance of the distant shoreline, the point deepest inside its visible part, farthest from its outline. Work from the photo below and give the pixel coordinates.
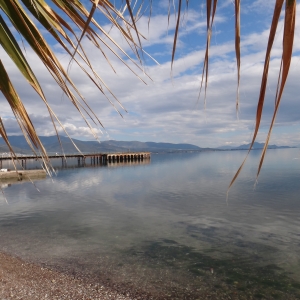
(165, 151)
(221, 150)
(52, 145)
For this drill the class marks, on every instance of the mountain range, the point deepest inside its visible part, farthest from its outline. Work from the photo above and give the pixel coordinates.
(52, 144)
(255, 146)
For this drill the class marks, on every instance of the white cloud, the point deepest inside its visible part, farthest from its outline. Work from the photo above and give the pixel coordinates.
(166, 109)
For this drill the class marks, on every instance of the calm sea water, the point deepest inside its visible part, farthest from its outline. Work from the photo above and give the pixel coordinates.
(165, 226)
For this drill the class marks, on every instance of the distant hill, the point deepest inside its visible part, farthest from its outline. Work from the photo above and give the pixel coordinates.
(255, 146)
(170, 146)
(4, 148)
(52, 144)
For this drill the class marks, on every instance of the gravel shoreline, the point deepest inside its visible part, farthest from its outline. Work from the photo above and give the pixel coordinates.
(22, 280)
(28, 281)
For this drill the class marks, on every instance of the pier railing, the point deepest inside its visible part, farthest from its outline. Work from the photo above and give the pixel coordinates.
(96, 158)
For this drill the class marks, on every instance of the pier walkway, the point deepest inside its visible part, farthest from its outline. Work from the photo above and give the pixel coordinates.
(96, 158)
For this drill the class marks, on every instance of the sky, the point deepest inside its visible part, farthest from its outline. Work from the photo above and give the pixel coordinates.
(165, 107)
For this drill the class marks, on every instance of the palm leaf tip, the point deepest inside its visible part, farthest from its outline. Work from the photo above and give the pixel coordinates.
(55, 23)
(18, 11)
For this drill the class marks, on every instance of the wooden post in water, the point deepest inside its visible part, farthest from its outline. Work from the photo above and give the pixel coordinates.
(24, 163)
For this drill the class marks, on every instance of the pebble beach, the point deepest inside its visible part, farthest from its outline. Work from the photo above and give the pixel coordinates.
(22, 280)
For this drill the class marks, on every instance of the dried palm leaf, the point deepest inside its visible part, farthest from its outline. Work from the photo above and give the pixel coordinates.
(62, 31)
(237, 48)
(288, 39)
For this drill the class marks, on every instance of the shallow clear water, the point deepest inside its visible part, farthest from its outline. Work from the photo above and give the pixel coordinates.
(165, 226)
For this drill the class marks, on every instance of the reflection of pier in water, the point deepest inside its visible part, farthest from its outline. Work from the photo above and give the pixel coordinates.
(7, 182)
(129, 163)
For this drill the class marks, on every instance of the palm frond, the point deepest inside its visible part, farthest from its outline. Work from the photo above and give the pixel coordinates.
(288, 38)
(288, 41)
(52, 18)
(62, 31)
(238, 49)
